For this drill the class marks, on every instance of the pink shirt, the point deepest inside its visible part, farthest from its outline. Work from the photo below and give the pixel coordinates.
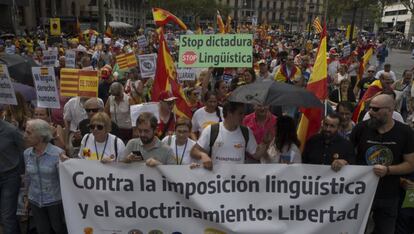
(259, 131)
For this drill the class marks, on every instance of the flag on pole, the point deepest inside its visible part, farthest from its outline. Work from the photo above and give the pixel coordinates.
(166, 79)
(311, 118)
(228, 24)
(78, 30)
(317, 27)
(364, 62)
(373, 89)
(220, 23)
(108, 31)
(163, 17)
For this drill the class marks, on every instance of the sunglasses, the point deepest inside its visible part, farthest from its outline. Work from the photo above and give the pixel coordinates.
(96, 126)
(94, 110)
(371, 71)
(376, 109)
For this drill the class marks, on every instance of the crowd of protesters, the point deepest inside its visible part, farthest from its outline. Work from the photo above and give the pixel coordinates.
(34, 140)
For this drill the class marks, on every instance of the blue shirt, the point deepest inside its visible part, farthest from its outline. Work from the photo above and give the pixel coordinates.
(42, 174)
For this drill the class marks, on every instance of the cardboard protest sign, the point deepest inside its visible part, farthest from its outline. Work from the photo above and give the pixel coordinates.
(7, 95)
(46, 88)
(219, 50)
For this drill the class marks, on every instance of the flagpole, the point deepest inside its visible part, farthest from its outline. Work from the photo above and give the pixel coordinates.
(326, 107)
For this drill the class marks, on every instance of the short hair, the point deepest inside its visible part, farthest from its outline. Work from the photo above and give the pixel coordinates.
(182, 121)
(333, 115)
(116, 88)
(346, 105)
(231, 107)
(42, 129)
(147, 117)
(94, 100)
(390, 92)
(103, 118)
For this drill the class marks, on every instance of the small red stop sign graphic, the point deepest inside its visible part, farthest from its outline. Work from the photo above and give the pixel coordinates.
(189, 57)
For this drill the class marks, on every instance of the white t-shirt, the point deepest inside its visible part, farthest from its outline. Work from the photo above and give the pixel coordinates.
(229, 147)
(201, 119)
(88, 150)
(379, 73)
(275, 155)
(120, 113)
(74, 112)
(180, 156)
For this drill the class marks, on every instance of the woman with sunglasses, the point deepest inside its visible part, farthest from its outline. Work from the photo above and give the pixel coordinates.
(100, 144)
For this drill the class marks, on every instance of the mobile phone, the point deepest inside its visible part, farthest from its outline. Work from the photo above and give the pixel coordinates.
(138, 155)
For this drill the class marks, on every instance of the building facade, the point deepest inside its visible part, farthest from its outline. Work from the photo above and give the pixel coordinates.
(397, 18)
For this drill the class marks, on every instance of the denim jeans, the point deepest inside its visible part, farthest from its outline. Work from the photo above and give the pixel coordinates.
(9, 190)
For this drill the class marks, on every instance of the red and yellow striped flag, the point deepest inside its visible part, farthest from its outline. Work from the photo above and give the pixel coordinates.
(166, 79)
(220, 23)
(76, 82)
(163, 17)
(373, 89)
(317, 27)
(364, 62)
(126, 61)
(228, 24)
(311, 118)
(69, 82)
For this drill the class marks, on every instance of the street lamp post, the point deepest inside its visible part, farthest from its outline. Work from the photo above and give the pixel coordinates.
(311, 7)
(354, 10)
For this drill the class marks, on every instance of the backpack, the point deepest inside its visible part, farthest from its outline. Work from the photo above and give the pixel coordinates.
(215, 131)
(115, 145)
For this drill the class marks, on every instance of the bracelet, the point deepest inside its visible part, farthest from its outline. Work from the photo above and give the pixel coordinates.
(388, 170)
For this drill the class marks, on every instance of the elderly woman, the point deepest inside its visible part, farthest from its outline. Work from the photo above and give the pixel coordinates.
(42, 178)
(100, 144)
(117, 107)
(57, 130)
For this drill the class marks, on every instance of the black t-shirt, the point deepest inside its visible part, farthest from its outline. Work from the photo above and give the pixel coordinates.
(363, 85)
(317, 151)
(371, 145)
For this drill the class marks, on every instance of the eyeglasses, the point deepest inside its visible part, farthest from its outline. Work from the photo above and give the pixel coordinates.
(376, 109)
(96, 126)
(94, 110)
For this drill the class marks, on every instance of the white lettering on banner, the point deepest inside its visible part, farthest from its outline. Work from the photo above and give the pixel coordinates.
(118, 198)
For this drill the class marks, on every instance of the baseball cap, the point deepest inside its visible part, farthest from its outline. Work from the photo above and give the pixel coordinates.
(166, 96)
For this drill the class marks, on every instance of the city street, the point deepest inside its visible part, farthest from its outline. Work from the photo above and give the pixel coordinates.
(399, 60)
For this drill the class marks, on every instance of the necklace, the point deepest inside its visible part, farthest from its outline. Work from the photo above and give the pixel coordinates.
(103, 151)
(182, 154)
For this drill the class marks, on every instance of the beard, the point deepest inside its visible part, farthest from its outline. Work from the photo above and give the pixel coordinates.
(146, 140)
(375, 123)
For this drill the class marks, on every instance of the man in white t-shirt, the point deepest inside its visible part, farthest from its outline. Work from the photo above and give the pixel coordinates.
(230, 145)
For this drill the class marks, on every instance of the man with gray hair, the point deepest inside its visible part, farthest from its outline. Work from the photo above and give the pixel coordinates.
(11, 167)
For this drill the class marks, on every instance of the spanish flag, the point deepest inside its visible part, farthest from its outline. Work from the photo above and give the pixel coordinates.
(373, 89)
(163, 17)
(228, 24)
(220, 23)
(364, 62)
(166, 79)
(310, 121)
(108, 31)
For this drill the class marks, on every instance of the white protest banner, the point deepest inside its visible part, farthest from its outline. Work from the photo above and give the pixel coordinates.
(142, 41)
(7, 95)
(50, 57)
(184, 74)
(147, 64)
(70, 58)
(260, 198)
(46, 89)
(136, 110)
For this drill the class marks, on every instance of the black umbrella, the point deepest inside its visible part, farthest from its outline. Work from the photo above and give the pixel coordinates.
(274, 94)
(20, 67)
